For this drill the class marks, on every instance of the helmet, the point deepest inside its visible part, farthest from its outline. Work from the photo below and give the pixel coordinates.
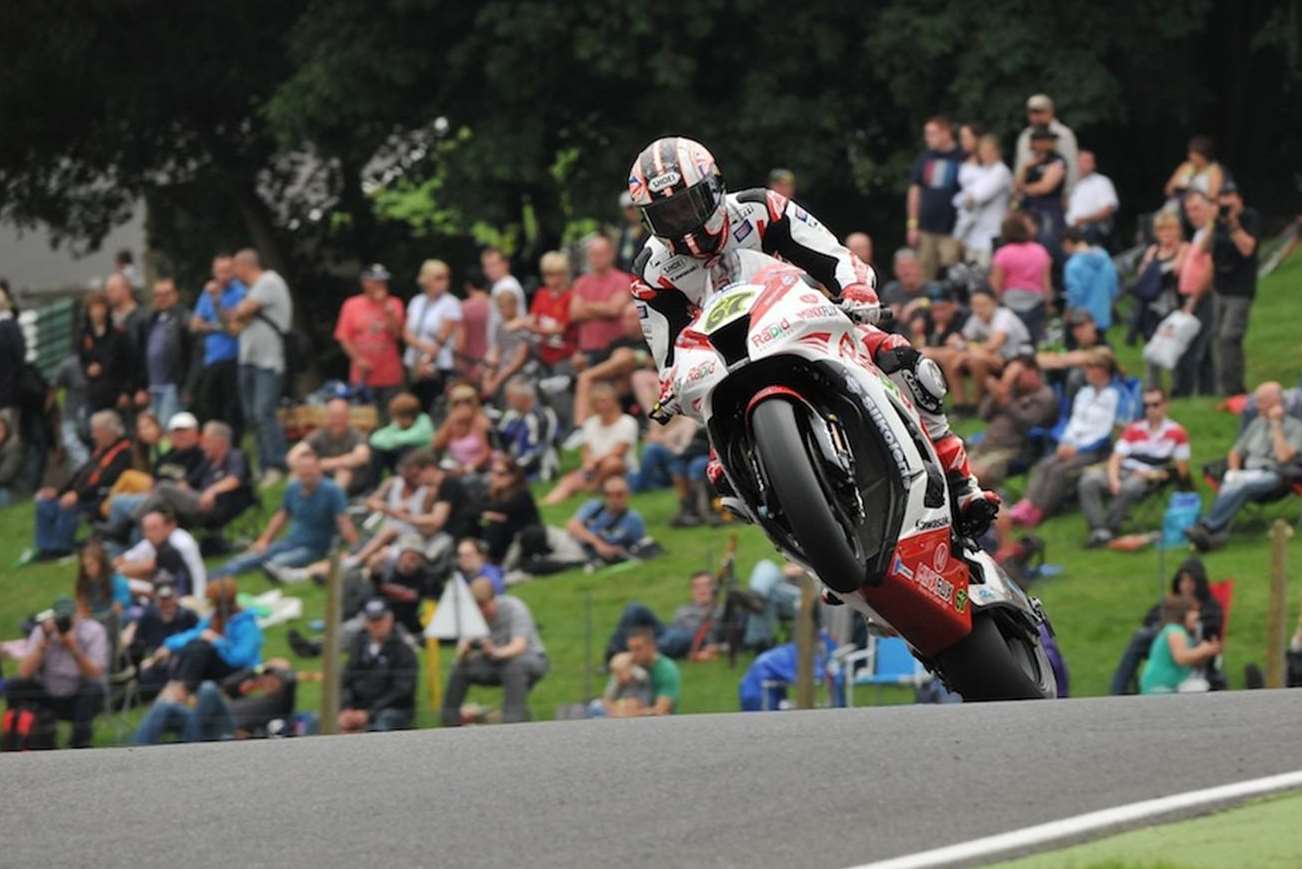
(678, 189)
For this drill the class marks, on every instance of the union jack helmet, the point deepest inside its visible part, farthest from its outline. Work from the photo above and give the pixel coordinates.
(677, 188)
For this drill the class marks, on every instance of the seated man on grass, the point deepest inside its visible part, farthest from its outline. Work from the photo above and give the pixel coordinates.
(512, 655)
(693, 633)
(991, 338)
(1012, 407)
(344, 453)
(164, 547)
(315, 510)
(603, 531)
(1255, 467)
(1148, 454)
(379, 681)
(666, 681)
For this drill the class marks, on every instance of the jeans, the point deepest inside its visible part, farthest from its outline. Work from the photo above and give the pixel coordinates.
(56, 528)
(217, 396)
(1230, 500)
(1231, 326)
(80, 707)
(1093, 489)
(283, 553)
(122, 509)
(1194, 372)
(164, 401)
(1134, 655)
(516, 676)
(209, 720)
(260, 394)
(390, 719)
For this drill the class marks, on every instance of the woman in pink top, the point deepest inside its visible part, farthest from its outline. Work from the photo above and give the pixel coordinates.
(463, 437)
(1019, 274)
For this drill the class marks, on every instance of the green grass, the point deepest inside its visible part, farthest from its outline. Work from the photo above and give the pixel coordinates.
(1263, 835)
(1094, 604)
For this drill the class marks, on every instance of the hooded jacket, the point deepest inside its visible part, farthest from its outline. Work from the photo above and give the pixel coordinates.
(240, 644)
(1091, 283)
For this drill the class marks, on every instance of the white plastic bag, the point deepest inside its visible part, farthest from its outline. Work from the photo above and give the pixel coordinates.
(1171, 339)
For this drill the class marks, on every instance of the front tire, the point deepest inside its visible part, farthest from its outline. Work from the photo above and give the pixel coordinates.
(789, 468)
(993, 664)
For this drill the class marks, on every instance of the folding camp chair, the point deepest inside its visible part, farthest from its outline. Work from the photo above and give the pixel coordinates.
(886, 661)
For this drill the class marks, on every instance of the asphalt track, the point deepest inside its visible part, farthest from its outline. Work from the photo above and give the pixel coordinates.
(827, 789)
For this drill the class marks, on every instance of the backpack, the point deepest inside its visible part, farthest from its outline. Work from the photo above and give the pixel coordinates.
(1148, 286)
(28, 729)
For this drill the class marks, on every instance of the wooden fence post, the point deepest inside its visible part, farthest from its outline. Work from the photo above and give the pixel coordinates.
(805, 644)
(1276, 613)
(330, 651)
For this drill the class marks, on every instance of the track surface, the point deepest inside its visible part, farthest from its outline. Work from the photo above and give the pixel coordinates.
(826, 789)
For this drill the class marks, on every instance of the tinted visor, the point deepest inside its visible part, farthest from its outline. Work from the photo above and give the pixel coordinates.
(683, 213)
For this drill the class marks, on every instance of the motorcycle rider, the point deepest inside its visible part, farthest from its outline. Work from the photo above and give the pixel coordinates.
(693, 222)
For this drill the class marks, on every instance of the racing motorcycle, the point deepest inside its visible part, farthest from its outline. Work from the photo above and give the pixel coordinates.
(829, 457)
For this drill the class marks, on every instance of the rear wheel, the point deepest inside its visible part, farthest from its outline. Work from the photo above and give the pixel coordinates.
(996, 662)
(789, 467)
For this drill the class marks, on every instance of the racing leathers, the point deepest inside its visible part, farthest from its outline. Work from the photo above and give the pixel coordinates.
(669, 289)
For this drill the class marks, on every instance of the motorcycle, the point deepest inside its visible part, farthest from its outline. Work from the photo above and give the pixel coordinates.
(830, 458)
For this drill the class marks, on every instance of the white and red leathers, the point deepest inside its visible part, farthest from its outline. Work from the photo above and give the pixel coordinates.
(669, 289)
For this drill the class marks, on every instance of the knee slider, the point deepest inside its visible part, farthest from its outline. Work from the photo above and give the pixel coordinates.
(927, 383)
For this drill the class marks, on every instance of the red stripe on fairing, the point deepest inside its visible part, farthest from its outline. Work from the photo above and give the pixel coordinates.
(819, 339)
(774, 289)
(769, 392)
(665, 283)
(643, 291)
(777, 204)
(690, 339)
(929, 624)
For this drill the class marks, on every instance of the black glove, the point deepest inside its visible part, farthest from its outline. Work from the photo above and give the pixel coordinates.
(897, 358)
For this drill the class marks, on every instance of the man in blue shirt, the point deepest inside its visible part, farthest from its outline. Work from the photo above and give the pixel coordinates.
(215, 388)
(315, 508)
(608, 528)
(1090, 278)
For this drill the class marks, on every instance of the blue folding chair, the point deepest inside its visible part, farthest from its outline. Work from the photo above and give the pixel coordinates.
(887, 661)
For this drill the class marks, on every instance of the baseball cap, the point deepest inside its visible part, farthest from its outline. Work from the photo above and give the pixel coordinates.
(164, 589)
(411, 543)
(375, 272)
(64, 607)
(1039, 103)
(375, 609)
(182, 420)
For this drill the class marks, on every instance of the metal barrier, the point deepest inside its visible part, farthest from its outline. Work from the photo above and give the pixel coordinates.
(48, 331)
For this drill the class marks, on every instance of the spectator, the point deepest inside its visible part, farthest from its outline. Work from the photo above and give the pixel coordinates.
(1149, 454)
(11, 461)
(1090, 278)
(497, 269)
(124, 264)
(783, 182)
(463, 437)
(629, 369)
(1199, 172)
(1254, 466)
(600, 297)
(13, 353)
(216, 389)
(631, 235)
(861, 245)
(1189, 582)
(409, 428)
(263, 318)
(222, 643)
(433, 327)
(1084, 442)
(147, 445)
(1019, 274)
(59, 512)
(1066, 368)
(982, 203)
(472, 339)
(910, 289)
(1042, 182)
(663, 672)
(1172, 656)
(315, 509)
(549, 317)
(345, 456)
(628, 691)
(183, 462)
(1156, 288)
(407, 582)
(165, 549)
(777, 590)
(404, 504)
(241, 705)
(527, 431)
(932, 187)
(105, 355)
(1233, 246)
(100, 591)
(992, 337)
(603, 531)
(608, 448)
(167, 349)
(162, 618)
(369, 329)
(1040, 113)
(131, 322)
(1093, 202)
(74, 416)
(694, 633)
(473, 563)
(379, 681)
(939, 325)
(64, 669)
(510, 508)
(512, 655)
(1195, 371)
(1012, 407)
(213, 493)
(678, 458)
(510, 351)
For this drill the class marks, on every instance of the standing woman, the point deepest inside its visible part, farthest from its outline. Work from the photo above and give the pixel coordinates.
(431, 333)
(986, 184)
(105, 358)
(1199, 171)
(1157, 287)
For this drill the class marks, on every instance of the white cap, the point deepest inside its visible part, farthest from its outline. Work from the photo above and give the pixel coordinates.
(184, 419)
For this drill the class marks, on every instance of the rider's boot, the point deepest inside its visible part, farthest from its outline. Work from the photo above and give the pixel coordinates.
(727, 495)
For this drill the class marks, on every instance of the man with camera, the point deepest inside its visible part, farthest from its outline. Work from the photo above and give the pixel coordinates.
(63, 670)
(1233, 246)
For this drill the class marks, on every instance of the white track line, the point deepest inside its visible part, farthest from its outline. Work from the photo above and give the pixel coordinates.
(992, 846)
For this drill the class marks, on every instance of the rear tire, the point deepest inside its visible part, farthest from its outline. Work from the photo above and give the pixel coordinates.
(987, 665)
(789, 468)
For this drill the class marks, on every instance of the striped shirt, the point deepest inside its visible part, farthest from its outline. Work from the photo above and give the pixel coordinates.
(1143, 447)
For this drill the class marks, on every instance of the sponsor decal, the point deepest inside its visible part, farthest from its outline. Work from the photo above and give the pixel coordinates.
(899, 568)
(775, 330)
(701, 371)
(930, 524)
(801, 214)
(982, 593)
(810, 298)
(960, 600)
(642, 312)
(934, 584)
(742, 230)
(940, 557)
(892, 443)
(817, 312)
(664, 180)
(727, 309)
(847, 350)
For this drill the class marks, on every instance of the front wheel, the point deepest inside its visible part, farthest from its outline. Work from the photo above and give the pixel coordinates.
(788, 461)
(997, 662)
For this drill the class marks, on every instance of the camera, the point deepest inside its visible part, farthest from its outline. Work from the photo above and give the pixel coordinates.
(63, 624)
(475, 645)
